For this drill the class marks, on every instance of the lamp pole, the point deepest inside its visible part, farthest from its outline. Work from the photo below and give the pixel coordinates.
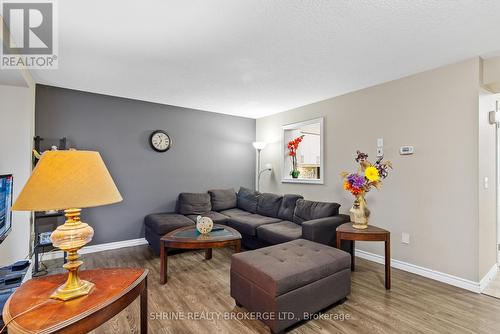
(258, 169)
(258, 145)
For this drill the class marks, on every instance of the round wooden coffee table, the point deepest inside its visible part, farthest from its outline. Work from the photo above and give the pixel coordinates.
(189, 238)
(372, 233)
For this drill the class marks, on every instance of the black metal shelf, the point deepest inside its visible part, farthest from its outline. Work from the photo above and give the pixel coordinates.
(45, 219)
(44, 223)
(49, 215)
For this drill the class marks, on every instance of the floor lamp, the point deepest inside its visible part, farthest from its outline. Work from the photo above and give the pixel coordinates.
(259, 146)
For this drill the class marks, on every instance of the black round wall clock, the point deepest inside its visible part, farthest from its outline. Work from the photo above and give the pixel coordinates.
(160, 141)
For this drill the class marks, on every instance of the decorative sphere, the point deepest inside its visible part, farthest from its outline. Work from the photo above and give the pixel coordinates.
(204, 224)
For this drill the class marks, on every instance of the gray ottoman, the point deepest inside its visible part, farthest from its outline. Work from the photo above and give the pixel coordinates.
(288, 279)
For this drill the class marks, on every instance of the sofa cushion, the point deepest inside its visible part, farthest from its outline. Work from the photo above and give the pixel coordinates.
(249, 223)
(279, 232)
(194, 203)
(285, 267)
(309, 210)
(216, 217)
(235, 212)
(287, 206)
(162, 223)
(222, 199)
(248, 199)
(269, 204)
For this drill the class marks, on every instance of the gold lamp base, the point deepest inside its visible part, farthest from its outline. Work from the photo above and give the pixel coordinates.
(65, 293)
(70, 237)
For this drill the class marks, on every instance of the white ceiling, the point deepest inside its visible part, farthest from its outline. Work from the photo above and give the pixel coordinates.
(258, 57)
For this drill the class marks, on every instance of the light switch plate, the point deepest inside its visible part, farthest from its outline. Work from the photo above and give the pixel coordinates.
(380, 142)
(405, 238)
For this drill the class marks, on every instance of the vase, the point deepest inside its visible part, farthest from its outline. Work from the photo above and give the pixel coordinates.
(204, 224)
(359, 213)
(295, 174)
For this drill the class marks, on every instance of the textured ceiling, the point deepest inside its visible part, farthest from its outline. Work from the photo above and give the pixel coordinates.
(254, 57)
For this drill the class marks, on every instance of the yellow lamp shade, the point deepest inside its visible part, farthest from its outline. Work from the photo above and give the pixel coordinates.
(68, 179)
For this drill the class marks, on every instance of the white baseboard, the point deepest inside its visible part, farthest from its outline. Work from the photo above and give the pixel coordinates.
(488, 277)
(430, 273)
(29, 272)
(97, 248)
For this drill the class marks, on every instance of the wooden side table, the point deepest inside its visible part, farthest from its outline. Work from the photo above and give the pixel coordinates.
(114, 290)
(372, 233)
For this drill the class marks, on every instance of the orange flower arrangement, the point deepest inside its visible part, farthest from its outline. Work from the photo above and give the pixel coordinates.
(359, 183)
(369, 175)
(293, 145)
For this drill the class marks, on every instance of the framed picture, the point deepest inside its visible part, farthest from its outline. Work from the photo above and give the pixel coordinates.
(303, 152)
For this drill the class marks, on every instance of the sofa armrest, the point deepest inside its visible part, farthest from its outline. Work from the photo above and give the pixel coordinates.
(323, 230)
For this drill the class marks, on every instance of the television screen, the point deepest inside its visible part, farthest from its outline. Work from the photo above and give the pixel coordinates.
(5, 205)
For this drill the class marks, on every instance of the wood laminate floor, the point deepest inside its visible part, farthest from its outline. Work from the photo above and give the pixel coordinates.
(414, 305)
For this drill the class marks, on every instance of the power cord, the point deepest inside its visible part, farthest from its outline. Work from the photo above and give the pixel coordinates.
(29, 256)
(22, 313)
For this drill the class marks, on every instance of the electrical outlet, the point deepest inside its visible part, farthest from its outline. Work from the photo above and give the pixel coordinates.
(380, 152)
(486, 183)
(405, 238)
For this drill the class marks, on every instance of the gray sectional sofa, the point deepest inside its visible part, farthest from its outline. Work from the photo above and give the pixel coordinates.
(263, 219)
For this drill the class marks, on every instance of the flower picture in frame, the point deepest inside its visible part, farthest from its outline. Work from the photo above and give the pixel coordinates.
(303, 158)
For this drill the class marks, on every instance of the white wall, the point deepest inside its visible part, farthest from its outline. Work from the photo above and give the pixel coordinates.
(433, 194)
(17, 110)
(487, 252)
(491, 74)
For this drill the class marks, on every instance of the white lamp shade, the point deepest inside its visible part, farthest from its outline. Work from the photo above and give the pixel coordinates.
(259, 145)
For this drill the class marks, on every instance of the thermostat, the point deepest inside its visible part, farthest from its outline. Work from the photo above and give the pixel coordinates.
(406, 150)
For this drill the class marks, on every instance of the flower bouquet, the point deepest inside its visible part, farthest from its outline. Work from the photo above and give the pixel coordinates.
(293, 145)
(368, 175)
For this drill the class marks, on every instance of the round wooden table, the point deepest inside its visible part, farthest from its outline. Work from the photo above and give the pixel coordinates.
(189, 238)
(372, 233)
(114, 290)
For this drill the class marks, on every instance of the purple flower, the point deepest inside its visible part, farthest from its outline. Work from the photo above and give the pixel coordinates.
(382, 167)
(356, 180)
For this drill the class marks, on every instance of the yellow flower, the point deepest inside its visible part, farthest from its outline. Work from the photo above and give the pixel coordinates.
(371, 174)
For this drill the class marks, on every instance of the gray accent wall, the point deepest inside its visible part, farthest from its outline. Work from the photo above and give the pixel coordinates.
(209, 150)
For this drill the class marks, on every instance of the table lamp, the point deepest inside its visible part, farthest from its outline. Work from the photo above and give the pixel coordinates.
(69, 180)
